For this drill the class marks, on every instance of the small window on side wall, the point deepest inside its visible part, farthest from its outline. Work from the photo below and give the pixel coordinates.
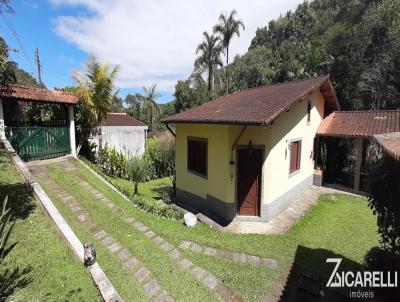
(295, 156)
(197, 156)
(308, 112)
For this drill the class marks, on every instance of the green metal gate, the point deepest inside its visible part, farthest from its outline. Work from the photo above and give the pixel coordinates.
(40, 140)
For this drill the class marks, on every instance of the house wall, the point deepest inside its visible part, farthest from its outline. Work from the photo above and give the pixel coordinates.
(216, 194)
(129, 140)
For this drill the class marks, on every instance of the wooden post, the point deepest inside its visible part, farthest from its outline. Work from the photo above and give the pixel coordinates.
(72, 129)
(2, 130)
(357, 169)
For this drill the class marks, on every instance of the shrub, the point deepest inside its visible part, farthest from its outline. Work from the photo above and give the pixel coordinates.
(6, 228)
(378, 259)
(159, 157)
(136, 172)
(112, 162)
(384, 195)
(148, 205)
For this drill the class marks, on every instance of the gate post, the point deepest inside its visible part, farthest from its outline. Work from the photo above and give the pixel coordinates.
(72, 129)
(2, 130)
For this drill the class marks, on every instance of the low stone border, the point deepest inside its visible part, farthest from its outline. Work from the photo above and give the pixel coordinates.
(107, 290)
(236, 257)
(140, 272)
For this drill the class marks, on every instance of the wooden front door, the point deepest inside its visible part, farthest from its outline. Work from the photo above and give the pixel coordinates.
(249, 182)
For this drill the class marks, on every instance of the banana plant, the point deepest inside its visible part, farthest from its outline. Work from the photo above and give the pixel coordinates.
(6, 228)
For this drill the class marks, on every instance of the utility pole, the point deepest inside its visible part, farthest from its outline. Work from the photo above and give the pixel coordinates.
(39, 66)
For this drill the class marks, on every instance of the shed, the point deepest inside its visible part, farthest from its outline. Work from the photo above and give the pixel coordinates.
(124, 133)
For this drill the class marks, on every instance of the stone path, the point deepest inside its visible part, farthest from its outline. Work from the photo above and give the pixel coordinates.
(285, 219)
(236, 257)
(139, 271)
(142, 274)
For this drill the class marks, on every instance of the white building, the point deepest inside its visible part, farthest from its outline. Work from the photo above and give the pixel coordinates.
(123, 133)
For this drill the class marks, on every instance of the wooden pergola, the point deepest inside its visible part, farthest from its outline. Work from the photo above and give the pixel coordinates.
(37, 140)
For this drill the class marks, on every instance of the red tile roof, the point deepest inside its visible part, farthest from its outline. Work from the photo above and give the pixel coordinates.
(121, 119)
(390, 142)
(360, 123)
(33, 94)
(258, 106)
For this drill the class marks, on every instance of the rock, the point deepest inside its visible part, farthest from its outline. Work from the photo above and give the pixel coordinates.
(190, 219)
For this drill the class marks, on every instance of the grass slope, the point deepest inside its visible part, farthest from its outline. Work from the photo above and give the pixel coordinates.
(338, 225)
(41, 267)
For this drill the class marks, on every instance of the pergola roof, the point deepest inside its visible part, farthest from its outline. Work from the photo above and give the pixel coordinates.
(360, 123)
(33, 94)
(257, 106)
(390, 142)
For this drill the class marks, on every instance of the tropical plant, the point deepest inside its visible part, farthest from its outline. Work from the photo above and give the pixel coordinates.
(96, 92)
(6, 228)
(209, 58)
(227, 27)
(112, 161)
(150, 105)
(136, 171)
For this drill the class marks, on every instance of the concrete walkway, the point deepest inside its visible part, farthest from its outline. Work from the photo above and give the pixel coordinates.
(287, 218)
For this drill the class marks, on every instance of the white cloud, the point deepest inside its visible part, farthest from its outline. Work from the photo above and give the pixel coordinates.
(155, 41)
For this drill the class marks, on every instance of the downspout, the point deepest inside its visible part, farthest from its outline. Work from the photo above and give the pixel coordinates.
(169, 129)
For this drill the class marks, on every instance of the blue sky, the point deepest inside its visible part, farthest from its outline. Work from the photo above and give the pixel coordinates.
(152, 41)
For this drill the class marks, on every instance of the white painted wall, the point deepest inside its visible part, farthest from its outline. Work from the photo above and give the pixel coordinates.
(72, 129)
(129, 140)
(2, 133)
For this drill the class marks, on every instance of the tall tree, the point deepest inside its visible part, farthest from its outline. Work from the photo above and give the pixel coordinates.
(227, 27)
(95, 88)
(209, 58)
(150, 104)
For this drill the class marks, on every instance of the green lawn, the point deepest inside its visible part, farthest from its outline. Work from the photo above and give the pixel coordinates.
(338, 225)
(41, 267)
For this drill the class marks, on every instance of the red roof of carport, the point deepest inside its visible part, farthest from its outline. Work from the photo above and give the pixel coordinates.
(360, 123)
(33, 94)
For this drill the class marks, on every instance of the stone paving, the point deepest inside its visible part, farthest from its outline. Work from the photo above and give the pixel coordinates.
(141, 273)
(236, 257)
(285, 219)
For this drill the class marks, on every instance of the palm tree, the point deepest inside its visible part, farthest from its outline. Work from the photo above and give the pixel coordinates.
(209, 57)
(227, 27)
(96, 92)
(150, 105)
(136, 172)
(96, 89)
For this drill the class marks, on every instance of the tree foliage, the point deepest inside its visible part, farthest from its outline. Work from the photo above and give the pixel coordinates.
(357, 42)
(208, 58)
(227, 27)
(384, 196)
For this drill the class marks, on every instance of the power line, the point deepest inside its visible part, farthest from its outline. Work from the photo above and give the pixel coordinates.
(14, 33)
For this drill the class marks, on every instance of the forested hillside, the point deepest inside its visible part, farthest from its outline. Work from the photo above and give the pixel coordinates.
(356, 41)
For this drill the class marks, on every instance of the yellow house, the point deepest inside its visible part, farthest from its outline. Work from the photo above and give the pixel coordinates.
(245, 155)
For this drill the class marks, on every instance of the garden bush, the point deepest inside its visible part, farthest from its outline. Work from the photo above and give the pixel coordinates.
(139, 201)
(112, 162)
(159, 157)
